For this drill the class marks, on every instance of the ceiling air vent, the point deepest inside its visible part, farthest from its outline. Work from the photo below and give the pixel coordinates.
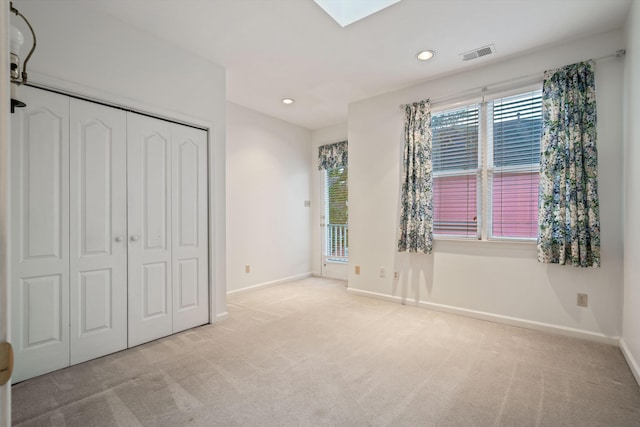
(478, 53)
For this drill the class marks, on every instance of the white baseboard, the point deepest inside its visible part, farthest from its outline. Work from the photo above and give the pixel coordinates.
(222, 316)
(631, 361)
(267, 284)
(512, 321)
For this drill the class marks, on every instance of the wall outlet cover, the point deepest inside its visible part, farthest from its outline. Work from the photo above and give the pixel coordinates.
(583, 300)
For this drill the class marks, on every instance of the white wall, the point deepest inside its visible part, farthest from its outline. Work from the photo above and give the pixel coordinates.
(500, 281)
(268, 181)
(631, 314)
(99, 57)
(328, 135)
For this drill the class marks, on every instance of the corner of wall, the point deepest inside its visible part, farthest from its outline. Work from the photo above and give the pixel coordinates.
(631, 360)
(268, 182)
(630, 341)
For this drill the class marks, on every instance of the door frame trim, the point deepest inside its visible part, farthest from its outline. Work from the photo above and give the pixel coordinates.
(5, 205)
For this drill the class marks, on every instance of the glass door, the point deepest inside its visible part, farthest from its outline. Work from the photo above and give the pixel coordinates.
(335, 241)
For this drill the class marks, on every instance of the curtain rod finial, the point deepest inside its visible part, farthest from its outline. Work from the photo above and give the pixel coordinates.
(621, 52)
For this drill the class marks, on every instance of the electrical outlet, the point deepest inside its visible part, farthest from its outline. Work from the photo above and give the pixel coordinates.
(247, 268)
(382, 272)
(357, 269)
(396, 275)
(582, 300)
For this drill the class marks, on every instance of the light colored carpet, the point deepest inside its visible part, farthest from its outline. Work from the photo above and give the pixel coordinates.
(307, 353)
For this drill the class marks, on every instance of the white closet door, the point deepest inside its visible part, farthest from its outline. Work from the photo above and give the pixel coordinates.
(190, 241)
(149, 222)
(40, 234)
(98, 244)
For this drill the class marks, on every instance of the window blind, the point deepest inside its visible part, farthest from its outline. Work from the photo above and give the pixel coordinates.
(454, 148)
(514, 135)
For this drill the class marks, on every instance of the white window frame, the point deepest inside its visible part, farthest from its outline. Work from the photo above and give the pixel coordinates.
(328, 258)
(478, 172)
(484, 191)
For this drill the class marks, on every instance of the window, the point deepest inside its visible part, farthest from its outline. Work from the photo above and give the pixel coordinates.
(454, 151)
(486, 160)
(336, 214)
(516, 124)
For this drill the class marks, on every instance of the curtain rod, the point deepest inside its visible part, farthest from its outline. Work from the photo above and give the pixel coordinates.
(529, 77)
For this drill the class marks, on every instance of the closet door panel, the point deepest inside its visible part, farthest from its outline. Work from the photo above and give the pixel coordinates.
(98, 212)
(190, 243)
(40, 234)
(149, 221)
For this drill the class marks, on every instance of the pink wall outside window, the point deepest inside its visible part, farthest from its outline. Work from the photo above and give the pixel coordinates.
(515, 205)
(454, 205)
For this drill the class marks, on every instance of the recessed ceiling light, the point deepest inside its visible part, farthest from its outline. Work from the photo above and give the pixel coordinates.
(425, 55)
(288, 101)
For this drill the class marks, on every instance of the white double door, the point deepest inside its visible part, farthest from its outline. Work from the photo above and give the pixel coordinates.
(167, 221)
(109, 231)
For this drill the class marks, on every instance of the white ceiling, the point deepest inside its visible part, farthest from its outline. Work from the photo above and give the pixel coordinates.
(274, 49)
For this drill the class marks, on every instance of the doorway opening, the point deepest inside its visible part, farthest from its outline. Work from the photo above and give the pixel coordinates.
(335, 218)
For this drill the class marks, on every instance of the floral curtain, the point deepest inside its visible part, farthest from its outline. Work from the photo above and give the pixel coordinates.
(416, 205)
(569, 218)
(333, 156)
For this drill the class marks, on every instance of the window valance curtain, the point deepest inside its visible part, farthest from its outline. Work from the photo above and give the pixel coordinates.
(568, 218)
(416, 205)
(333, 156)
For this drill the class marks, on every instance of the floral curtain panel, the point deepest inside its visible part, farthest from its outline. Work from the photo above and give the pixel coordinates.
(333, 156)
(568, 218)
(416, 205)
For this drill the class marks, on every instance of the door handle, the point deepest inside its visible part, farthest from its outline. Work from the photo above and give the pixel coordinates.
(135, 238)
(6, 362)
(118, 239)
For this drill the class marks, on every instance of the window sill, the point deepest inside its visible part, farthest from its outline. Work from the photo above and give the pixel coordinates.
(527, 242)
(493, 248)
(336, 261)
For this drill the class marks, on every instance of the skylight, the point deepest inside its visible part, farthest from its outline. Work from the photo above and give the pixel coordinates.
(346, 12)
